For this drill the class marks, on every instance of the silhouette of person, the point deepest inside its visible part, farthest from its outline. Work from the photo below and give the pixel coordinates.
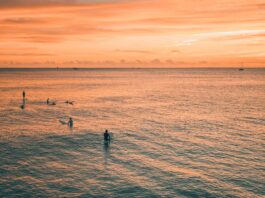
(48, 101)
(106, 136)
(69, 102)
(70, 122)
(24, 97)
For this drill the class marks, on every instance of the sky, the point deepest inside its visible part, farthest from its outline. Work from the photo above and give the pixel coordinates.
(132, 33)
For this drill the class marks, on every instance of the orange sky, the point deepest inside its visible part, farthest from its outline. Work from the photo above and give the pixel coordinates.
(132, 33)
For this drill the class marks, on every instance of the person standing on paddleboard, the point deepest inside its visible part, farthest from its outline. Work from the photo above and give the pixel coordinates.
(106, 136)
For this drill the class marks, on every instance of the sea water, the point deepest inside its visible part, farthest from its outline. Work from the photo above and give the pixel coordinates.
(175, 133)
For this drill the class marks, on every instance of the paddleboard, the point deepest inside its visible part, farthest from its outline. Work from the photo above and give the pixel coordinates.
(63, 122)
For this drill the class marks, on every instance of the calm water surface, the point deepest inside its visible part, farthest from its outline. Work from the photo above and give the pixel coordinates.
(176, 133)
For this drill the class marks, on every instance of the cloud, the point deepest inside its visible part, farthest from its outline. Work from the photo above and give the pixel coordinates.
(34, 3)
(26, 54)
(175, 51)
(25, 3)
(132, 29)
(23, 20)
(135, 51)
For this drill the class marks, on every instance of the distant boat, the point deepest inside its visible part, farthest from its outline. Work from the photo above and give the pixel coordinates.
(75, 68)
(241, 69)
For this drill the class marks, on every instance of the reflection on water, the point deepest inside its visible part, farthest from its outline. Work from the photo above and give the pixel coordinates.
(178, 133)
(106, 147)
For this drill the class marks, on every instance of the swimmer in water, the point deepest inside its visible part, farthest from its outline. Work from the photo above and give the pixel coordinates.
(69, 102)
(70, 122)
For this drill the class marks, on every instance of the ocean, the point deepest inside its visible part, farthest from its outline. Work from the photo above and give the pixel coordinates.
(174, 133)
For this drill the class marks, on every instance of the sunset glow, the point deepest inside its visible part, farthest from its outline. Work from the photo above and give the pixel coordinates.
(147, 33)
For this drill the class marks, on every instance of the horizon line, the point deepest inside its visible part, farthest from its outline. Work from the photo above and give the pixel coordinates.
(80, 68)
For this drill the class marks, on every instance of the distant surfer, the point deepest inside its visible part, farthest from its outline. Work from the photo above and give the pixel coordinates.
(69, 102)
(23, 95)
(50, 102)
(23, 100)
(70, 122)
(106, 136)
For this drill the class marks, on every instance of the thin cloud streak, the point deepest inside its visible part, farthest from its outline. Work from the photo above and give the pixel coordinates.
(39, 3)
(134, 51)
(26, 54)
